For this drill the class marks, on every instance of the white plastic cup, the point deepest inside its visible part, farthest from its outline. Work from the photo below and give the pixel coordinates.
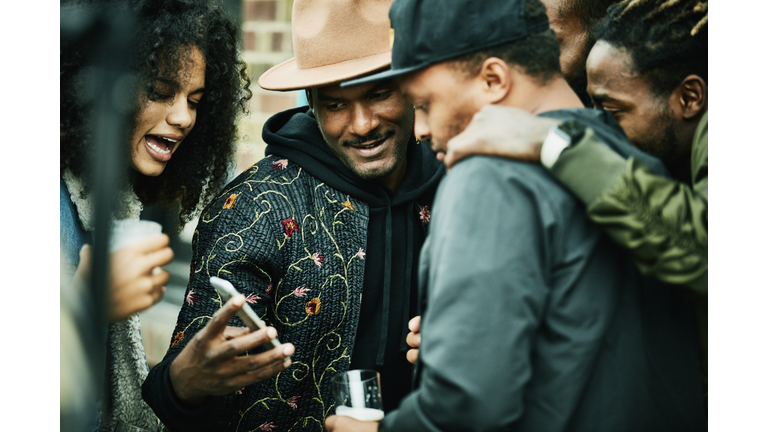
(127, 231)
(357, 395)
(362, 414)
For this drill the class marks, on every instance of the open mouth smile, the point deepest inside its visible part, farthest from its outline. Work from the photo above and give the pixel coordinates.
(160, 147)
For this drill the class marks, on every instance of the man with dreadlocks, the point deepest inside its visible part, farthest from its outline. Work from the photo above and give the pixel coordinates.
(649, 70)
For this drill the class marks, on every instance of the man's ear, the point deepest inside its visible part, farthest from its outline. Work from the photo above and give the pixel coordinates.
(495, 78)
(692, 96)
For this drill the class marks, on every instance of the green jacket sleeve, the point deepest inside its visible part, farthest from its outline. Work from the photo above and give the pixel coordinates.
(662, 222)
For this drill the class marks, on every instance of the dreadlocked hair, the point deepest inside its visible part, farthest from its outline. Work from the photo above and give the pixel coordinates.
(166, 32)
(667, 39)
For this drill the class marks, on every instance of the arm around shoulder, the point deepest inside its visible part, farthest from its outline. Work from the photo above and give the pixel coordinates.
(661, 221)
(158, 392)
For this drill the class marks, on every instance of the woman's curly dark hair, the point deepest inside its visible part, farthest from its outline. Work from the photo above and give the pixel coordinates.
(166, 30)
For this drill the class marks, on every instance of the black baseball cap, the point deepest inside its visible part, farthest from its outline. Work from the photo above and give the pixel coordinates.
(426, 32)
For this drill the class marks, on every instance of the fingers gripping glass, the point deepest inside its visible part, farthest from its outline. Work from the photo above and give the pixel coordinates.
(357, 395)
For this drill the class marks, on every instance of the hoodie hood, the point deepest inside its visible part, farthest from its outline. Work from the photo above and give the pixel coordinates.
(294, 134)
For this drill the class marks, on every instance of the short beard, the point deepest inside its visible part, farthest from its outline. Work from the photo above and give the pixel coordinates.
(398, 155)
(453, 129)
(666, 146)
(663, 143)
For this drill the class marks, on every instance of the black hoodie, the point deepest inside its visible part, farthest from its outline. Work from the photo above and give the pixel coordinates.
(396, 232)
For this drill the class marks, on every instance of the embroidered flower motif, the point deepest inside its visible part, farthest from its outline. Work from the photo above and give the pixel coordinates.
(348, 205)
(301, 291)
(252, 298)
(279, 164)
(424, 214)
(318, 259)
(241, 390)
(294, 402)
(360, 254)
(177, 338)
(313, 306)
(230, 202)
(269, 289)
(192, 297)
(290, 226)
(267, 426)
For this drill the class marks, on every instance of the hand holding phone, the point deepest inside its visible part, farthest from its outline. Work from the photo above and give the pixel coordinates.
(213, 363)
(246, 314)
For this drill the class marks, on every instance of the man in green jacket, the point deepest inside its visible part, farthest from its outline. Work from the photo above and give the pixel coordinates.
(656, 88)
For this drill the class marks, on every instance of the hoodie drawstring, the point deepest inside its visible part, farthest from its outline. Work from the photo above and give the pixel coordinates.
(408, 269)
(387, 284)
(388, 281)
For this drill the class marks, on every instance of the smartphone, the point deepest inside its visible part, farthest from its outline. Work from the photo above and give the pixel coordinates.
(249, 317)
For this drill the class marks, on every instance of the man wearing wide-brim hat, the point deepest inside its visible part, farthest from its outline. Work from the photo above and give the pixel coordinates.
(535, 320)
(321, 237)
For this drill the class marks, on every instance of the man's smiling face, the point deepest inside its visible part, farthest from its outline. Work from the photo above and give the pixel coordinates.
(367, 127)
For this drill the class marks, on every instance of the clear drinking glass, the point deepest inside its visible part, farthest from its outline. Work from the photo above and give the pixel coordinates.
(357, 395)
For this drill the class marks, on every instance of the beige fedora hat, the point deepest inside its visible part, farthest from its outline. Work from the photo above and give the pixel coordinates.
(333, 40)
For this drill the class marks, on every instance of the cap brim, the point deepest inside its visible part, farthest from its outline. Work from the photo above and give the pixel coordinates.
(387, 74)
(288, 76)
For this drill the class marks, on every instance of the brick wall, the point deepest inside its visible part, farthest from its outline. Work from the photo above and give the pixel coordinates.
(266, 41)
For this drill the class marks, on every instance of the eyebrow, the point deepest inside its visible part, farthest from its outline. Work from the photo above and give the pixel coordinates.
(379, 86)
(175, 85)
(170, 82)
(324, 98)
(388, 84)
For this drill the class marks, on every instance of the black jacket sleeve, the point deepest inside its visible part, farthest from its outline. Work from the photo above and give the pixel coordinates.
(158, 392)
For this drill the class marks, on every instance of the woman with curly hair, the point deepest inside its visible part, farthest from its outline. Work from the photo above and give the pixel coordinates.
(191, 88)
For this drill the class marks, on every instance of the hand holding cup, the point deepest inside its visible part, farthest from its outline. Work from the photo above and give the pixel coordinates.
(137, 281)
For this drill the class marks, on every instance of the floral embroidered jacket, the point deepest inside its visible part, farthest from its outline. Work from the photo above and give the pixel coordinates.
(296, 248)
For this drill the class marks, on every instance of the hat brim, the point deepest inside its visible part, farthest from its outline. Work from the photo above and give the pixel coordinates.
(288, 76)
(387, 74)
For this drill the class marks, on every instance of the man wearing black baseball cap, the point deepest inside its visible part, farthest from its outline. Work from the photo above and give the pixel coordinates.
(534, 320)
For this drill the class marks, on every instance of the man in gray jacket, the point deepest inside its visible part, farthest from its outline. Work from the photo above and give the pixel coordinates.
(535, 320)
